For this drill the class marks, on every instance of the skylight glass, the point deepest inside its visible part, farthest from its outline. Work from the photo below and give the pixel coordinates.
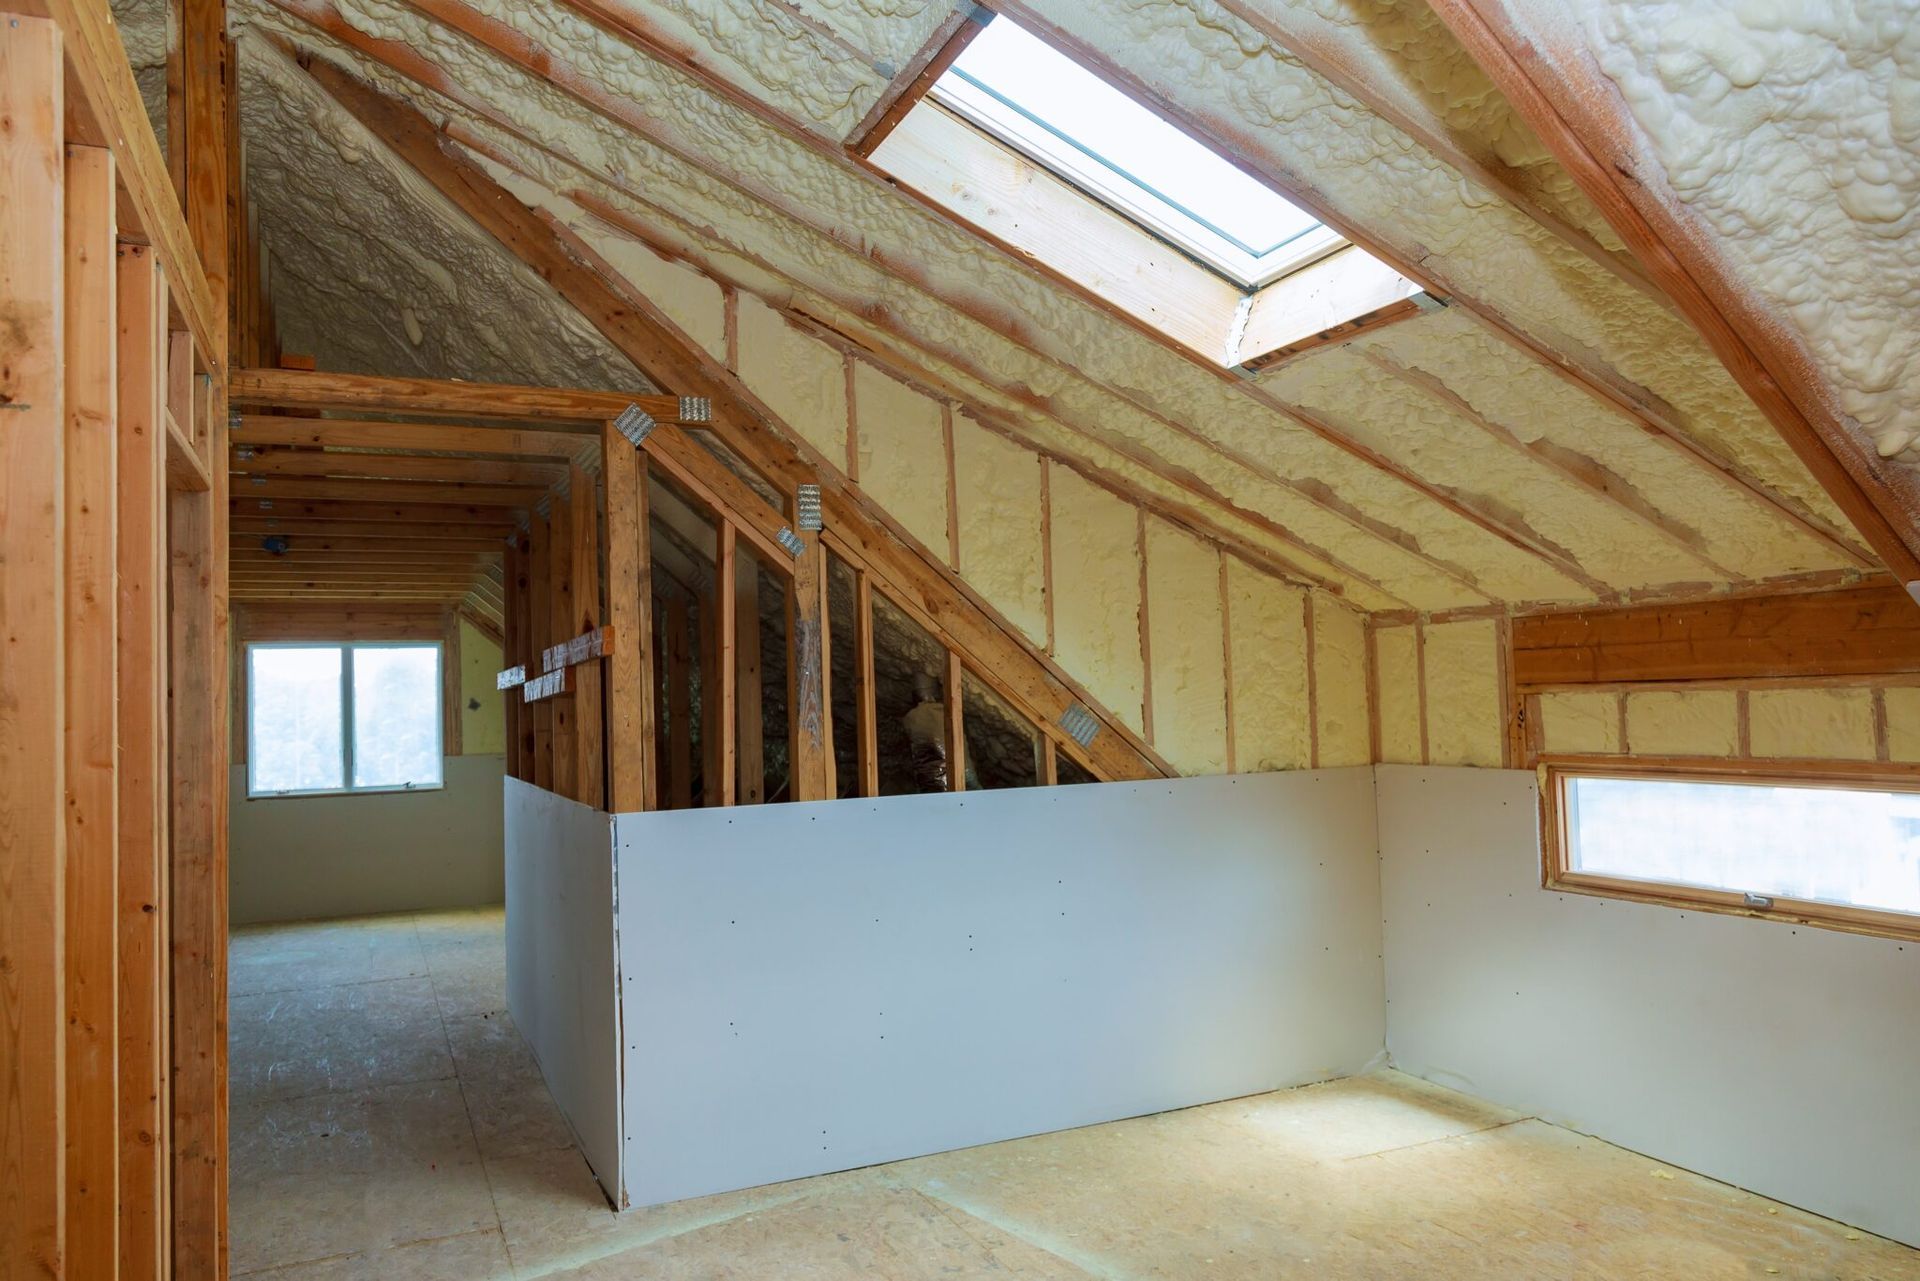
(1039, 101)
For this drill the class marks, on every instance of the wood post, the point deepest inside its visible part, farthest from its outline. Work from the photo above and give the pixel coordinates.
(955, 709)
(811, 779)
(143, 784)
(33, 842)
(590, 786)
(718, 690)
(866, 710)
(630, 707)
(539, 636)
(92, 741)
(560, 615)
(679, 705)
(513, 653)
(749, 692)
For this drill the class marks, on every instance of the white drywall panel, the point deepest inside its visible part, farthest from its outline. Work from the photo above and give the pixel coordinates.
(562, 984)
(816, 987)
(295, 858)
(1776, 1057)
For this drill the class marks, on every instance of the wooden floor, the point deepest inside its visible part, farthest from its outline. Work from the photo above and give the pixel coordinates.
(389, 1123)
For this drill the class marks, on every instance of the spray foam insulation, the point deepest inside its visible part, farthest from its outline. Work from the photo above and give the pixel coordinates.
(1821, 724)
(1463, 694)
(1903, 722)
(1688, 722)
(1580, 722)
(1269, 638)
(374, 272)
(1096, 593)
(800, 378)
(1467, 237)
(997, 491)
(1397, 658)
(889, 32)
(1187, 649)
(1792, 131)
(1340, 684)
(903, 454)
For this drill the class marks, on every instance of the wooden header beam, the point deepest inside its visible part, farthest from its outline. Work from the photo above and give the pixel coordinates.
(1560, 91)
(1868, 631)
(373, 394)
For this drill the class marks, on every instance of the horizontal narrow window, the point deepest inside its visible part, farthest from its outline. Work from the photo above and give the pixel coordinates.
(1843, 850)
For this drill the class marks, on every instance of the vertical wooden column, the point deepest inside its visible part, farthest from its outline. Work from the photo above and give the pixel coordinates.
(205, 56)
(513, 648)
(954, 703)
(866, 709)
(749, 692)
(590, 787)
(718, 690)
(92, 740)
(33, 840)
(539, 606)
(143, 785)
(560, 617)
(679, 704)
(806, 702)
(629, 692)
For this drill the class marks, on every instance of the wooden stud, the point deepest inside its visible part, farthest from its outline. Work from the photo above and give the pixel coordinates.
(1226, 656)
(953, 486)
(451, 701)
(954, 705)
(33, 840)
(513, 652)
(92, 741)
(1743, 725)
(384, 394)
(141, 562)
(1313, 684)
(590, 786)
(566, 739)
(679, 704)
(1046, 546)
(1420, 680)
(629, 595)
(1146, 631)
(853, 418)
(749, 694)
(1882, 748)
(1049, 763)
(719, 692)
(866, 753)
(540, 634)
(807, 713)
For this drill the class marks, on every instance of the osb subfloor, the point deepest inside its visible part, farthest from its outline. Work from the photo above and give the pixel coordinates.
(389, 1123)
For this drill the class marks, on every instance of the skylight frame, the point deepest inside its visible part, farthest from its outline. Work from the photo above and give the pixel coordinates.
(1155, 212)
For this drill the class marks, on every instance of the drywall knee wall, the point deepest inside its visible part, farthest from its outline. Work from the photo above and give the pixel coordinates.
(1775, 1057)
(293, 858)
(817, 987)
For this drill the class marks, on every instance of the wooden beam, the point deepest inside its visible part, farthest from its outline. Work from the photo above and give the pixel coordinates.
(540, 634)
(92, 740)
(317, 535)
(809, 746)
(679, 705)
(866, 747)
(141, 565)
(1559, 91)
(1026, 679)
(334, 462)
(629, 692)
(1868, 631)
(355, 433)
(398, 492)
(450, 701)
(749, 693)
(249, 508)
(719, 692)
(590, 787)
(953, 703)
(948, 42)
(560, 596)
(513, 652)
(33, 833)
(378, 394)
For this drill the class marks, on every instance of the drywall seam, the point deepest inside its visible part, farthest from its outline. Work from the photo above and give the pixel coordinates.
(1187, 674)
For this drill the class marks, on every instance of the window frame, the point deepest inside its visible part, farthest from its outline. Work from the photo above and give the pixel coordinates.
(347, 648)
(1556, 846)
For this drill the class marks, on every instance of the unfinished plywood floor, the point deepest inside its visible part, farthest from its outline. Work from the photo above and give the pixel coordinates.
(389, 1123)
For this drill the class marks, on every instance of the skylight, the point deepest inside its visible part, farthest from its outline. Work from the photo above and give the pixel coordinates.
(1040, 102)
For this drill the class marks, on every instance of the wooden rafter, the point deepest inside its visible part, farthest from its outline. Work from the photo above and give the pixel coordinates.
(374, 393)
(1573, 107)
(358, 433)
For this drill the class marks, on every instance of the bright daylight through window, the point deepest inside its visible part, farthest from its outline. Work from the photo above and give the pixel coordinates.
(1850, 846)
(1042, 103)
(342, 718)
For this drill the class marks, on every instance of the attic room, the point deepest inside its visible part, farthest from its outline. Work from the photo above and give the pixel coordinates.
(909, 638)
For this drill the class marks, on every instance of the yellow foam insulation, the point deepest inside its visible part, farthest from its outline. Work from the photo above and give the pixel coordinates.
(483, 712)
(1463, 694)
(1269, 637)
(801, 379)
(1340, 684)
(903, 454)
(1580, 723)
(1903, 722)
(1682, 722)
(1187, 650)
(997, 489)
(1096, 593)
(1396, 650)
(1825, 724)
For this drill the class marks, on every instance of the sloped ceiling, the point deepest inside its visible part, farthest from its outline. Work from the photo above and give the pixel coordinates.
(1558, 434)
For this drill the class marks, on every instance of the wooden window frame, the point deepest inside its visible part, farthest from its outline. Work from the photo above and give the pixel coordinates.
(1557, 877)
(347, 648)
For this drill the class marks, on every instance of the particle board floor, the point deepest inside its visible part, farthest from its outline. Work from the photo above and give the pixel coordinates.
(388, 1122)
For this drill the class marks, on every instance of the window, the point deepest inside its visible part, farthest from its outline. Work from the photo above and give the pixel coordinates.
(342, 718)
(1844, 852)
(1040, 102)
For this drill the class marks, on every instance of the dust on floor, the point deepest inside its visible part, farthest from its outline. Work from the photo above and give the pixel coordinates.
(388, 1122)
